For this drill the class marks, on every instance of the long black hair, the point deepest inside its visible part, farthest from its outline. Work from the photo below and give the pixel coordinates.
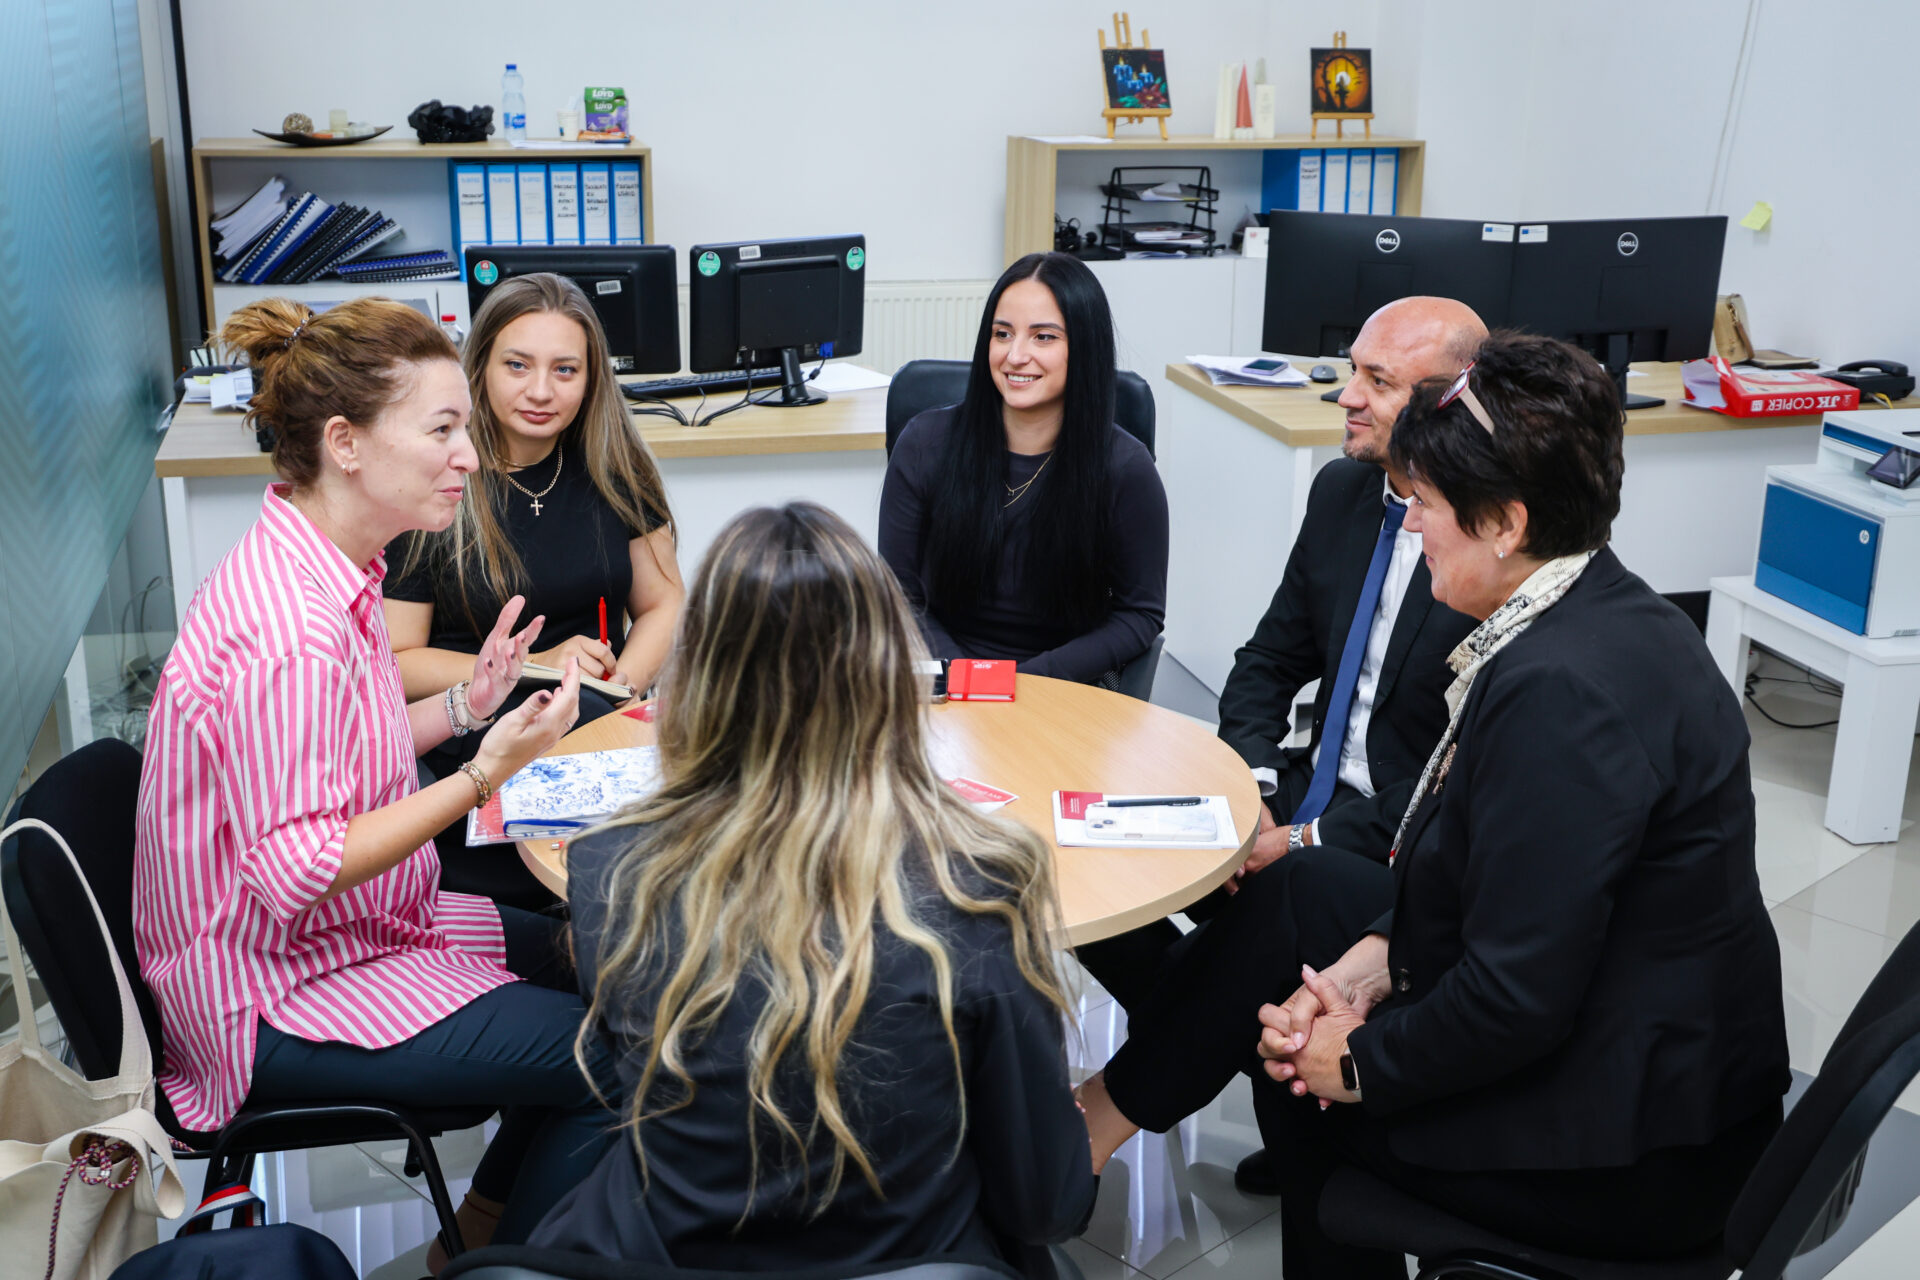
(1068, 556)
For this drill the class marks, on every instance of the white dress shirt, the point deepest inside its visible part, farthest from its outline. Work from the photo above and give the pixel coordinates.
(1354, 770)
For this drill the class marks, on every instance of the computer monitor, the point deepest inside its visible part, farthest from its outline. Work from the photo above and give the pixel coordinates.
(1327, 272)
(1623, 289)
(631, 286)
(776, 302)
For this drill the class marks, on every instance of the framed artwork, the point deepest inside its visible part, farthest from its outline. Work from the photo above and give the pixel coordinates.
(1342, 81)
(1136, 79)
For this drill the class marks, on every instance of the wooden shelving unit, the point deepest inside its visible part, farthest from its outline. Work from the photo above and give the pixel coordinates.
(1033, 171)
(432, 230)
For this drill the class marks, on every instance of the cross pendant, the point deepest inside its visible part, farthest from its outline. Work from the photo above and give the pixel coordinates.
(536, 506)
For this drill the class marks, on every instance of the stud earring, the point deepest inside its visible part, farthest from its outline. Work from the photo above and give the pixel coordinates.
(1500, 555)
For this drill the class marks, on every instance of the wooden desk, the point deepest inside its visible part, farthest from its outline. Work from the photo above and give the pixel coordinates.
(1689, 502)
(1055, 736)
(212, 472)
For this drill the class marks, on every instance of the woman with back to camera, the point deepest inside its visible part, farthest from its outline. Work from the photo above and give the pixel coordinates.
(1023, 523)
(567, 508)
(1558, 1013)
(827, 980)
(286, 907)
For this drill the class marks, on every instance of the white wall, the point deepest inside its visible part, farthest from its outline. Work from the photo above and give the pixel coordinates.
(1568, 111)
(882, 116)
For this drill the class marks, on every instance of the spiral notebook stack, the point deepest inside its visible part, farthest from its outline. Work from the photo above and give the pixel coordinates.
(270, 239)
(434, 264)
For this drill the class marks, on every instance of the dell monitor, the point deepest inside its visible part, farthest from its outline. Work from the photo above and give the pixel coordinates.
(631, 287)
(776, 302)
(1327, 272)
(1622, 289)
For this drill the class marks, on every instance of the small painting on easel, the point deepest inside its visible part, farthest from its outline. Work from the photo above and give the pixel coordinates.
(1136, 78)
(1342, 86)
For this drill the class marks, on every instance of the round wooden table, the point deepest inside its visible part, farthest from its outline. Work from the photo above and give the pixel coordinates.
(1055, 736)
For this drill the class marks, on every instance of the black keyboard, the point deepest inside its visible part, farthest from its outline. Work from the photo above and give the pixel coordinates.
(692, 384)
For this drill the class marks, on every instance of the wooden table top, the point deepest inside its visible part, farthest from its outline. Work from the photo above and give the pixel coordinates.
(203, 442)
(1297, 416)
(1062, 736)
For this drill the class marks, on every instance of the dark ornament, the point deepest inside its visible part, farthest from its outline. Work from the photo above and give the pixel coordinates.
(434, 122)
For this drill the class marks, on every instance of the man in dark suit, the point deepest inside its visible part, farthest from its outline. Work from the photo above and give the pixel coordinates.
(1395, 705)
(1392, 708)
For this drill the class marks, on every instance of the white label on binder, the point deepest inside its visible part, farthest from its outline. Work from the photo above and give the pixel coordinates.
(1501, 231)
(503, 205)
(596, 208)
(533, 204)
(749, 252)
(471, 185)
(1534, 233)
(626, 204)
(565, 183)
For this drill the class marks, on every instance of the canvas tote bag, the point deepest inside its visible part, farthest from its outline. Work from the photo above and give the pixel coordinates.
(78, 1157)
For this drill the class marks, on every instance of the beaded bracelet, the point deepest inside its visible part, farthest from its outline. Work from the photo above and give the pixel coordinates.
(480, 782)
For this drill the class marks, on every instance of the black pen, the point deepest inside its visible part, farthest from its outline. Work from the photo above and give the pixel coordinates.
(1153, 802)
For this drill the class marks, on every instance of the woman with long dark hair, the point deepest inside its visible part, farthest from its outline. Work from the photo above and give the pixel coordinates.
(1022, 523)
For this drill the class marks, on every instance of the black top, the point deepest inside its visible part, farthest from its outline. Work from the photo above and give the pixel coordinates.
(1013, 622)
(574, 553)
(1301, 639)
(1583, 970)
(1023, 1173)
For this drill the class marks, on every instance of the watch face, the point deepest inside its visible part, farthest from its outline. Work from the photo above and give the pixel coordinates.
(1348, 1076)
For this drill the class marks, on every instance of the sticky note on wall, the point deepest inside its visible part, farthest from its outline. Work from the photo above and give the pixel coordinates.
(1758, 217)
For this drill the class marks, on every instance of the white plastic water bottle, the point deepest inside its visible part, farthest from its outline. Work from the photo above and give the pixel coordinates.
(513, 105)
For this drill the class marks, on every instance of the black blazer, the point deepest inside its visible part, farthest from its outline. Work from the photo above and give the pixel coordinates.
(1301, 637)
(1583, 970)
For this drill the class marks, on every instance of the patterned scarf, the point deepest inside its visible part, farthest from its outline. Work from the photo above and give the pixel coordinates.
(1539, 593)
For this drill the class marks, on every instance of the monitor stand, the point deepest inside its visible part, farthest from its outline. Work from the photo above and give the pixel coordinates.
(794, 390)
(1615, 361)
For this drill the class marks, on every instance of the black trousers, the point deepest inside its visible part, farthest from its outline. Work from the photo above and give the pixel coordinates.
(512, 1048)
(1199, 1025)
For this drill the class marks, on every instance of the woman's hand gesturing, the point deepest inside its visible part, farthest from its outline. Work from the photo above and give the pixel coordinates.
(496, 668)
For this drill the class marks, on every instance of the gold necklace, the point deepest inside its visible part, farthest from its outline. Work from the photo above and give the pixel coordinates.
(1014, 495)
(559, 460)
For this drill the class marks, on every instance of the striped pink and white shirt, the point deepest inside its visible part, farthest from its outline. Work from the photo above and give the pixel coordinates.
(279, 716)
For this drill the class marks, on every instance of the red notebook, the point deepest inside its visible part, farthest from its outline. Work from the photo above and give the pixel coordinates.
(980, 680)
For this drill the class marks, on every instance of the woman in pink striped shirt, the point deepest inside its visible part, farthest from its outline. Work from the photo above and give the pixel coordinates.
(286, 901)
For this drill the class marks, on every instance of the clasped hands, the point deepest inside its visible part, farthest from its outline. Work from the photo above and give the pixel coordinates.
(1301, 1040)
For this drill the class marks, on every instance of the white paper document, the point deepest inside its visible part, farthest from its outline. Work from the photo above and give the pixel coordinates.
(836, 375)
(1236, 371)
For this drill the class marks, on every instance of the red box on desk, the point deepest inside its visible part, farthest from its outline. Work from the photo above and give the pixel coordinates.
(980, 680)
(1763, 393)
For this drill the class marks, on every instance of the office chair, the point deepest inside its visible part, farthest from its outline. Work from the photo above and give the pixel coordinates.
(928, 384)
(1796, 1198)
(519, 1262)
(89, 797)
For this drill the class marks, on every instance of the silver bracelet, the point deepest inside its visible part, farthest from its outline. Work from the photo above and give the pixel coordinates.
(453, 721)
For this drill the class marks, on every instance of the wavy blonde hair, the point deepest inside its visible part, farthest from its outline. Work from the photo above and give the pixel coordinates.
(475, 546)
(797, 804)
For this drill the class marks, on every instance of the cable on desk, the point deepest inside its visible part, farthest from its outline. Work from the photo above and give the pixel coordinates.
(750, 399)
(659, 406)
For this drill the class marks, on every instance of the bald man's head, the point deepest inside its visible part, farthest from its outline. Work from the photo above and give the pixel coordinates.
(1401, 345)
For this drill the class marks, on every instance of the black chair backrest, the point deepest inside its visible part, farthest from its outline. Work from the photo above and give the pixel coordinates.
(520, 1262)
(928, 384)
(1803, 1185)
(89, 798)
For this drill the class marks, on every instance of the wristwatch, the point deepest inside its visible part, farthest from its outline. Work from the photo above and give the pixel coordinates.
(1296, 837)
(1349, 1074)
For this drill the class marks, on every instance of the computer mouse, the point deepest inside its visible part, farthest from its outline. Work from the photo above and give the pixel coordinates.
(1324, 373)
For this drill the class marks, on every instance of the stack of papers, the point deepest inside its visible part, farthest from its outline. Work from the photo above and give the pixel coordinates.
(1234, 371)
(240, 228)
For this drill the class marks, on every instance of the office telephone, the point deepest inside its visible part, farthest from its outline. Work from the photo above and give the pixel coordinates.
(1887, 378)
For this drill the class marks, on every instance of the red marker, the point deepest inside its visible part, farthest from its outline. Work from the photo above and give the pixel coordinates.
(603, 619)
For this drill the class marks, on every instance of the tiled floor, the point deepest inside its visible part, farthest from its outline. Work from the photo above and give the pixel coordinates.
(1168, 1205)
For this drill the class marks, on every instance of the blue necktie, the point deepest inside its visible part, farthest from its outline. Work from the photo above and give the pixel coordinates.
(1340, 705)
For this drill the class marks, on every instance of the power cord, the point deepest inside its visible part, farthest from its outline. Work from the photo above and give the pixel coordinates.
(751, 399)
(1825, 688)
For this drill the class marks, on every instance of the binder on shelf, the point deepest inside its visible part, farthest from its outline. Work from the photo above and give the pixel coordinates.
(377, 234)
(287, 239)
(469, 187)
(1333, 191)
(503, 204)
(533, 204)
(563, 200)
(326, 239)
(1360, 180)
(1386, 181)
(236, 270)
(626, 203)
(596, 204)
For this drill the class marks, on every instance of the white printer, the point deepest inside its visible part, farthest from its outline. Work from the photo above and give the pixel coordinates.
(1841, 538)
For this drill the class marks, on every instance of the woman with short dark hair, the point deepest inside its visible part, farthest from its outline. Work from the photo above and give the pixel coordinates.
(1023, 523)
(1561, 1017)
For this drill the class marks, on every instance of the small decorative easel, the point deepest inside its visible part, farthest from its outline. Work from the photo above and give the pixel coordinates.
(1123, 39)
(1342, 77)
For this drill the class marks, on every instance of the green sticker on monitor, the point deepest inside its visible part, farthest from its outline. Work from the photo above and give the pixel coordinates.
(856, 258)
(709, 263)
(485, 272)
